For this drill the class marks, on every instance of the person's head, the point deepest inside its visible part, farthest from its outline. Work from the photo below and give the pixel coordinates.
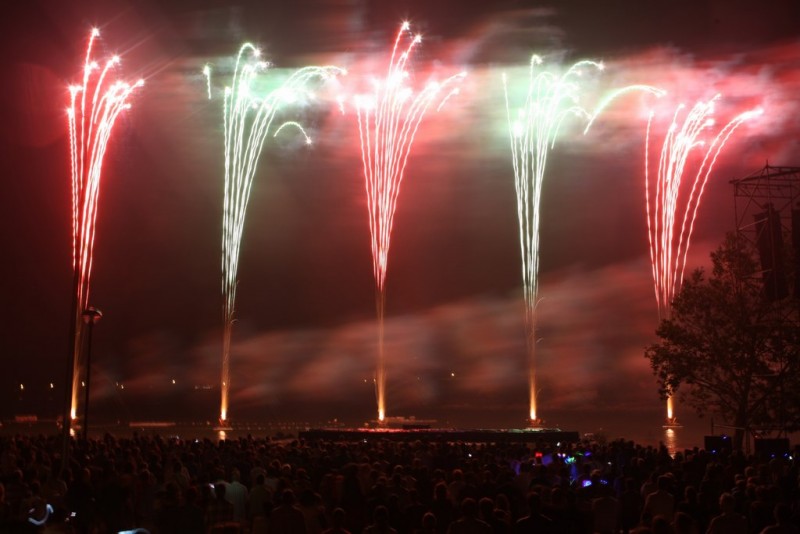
(191, 495)
(782, 513)
(287, 497)
(338, 517)
(469, 508)
(485, 507)
(683, 523)
(660, 525)
(172, 491)
(664, 482)
(429, 522)
(534, 502)
(726, 503)
(381, 515)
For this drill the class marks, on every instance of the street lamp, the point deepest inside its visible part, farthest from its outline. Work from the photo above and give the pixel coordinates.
(90, 316)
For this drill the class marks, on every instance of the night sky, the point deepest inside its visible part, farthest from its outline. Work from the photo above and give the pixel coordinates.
(304, 343)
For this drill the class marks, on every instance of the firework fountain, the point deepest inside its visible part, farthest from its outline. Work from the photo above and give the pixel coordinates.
(671, 212)
(249, 117)
(388, 120)
(94, 106)
(534, 129)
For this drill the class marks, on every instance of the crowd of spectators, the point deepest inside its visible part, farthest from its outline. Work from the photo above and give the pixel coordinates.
(167, 485)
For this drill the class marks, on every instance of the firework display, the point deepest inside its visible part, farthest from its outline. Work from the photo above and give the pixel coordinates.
(671, 209)
(249, 118)
(94, 106)
(460, 333)
(388, 120)
(534, 128)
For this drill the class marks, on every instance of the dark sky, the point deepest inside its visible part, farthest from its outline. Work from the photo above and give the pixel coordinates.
(304, 342)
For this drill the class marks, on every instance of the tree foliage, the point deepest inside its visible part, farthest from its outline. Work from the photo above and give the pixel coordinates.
(726, 350)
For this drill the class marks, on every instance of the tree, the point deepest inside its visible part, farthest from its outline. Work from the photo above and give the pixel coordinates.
(729, 351)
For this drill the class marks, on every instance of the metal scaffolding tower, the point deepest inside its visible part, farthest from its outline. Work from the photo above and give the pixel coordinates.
(767, 207)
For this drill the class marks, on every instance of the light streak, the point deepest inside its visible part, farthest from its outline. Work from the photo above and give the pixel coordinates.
(94, 106)
(207, 74)
(388, 120)
(249, 117)
(534, 128)
(671, 210)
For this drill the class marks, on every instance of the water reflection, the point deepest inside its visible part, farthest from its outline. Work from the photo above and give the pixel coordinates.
(671, 441)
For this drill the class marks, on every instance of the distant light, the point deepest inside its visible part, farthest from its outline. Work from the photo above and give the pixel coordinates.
(51, 385)
(173, 380)
(21, 386)
(122, 386)
(452, 374)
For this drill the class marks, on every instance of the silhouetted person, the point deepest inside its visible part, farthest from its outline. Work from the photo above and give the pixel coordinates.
(380, 522)
(729, 521)
(190, 515)
(783, 525)
(219, 509)
(236, 493)
(684, 524)
(428, 524)
(605, 510)
(441, 507)
(469, 523)
(286, 518)
(535, 522)
(660, 502)
(337, 523)
(630, 506)
(260, 501)
(493, 516)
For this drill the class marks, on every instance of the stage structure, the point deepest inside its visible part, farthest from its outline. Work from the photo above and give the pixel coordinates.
(539, 436)
(767, 208)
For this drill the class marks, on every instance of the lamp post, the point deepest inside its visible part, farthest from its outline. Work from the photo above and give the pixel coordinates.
(90, 316)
